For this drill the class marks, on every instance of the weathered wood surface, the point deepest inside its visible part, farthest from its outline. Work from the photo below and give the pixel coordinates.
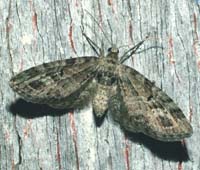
(33, 32)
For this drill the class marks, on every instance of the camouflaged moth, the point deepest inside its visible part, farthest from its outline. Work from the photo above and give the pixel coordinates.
(133, 100)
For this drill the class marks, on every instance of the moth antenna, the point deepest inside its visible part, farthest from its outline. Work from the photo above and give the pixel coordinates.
(141, 51)
(132, 50)
(106, 36)
(98, 38)
(122, 46)
(90, 42)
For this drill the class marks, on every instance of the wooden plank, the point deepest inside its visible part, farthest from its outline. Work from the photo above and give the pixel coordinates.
(34, 32)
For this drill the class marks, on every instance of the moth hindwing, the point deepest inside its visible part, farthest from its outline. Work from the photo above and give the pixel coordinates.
(133, 100)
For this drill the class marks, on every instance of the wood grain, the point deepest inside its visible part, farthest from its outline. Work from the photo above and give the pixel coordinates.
(33, 32)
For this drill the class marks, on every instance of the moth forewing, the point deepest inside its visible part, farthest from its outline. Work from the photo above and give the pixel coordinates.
(147, 109)
(58, 84)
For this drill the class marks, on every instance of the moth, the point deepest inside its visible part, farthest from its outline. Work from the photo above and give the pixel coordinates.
(133, 100)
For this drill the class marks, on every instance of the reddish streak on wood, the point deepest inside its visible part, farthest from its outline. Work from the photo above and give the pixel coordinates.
(196, 53)
(195, 26)
(127, 154)
(13, 165)
(34, 21)
(180, 166)
(74, 134)
(76, 3)
(195, 31)
(110, 2)
(34, 16)
(190, 113)
(196, 40)
(195, 48)
(171, 56)
(71, 39)
(171, 53)
(34, 25)
(196, 35)
(58, 152)
(8, 27)
(100, 15)
(198, 64)
(27, 129)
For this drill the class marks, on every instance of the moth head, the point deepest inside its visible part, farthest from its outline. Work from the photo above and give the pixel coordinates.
(113, 49)
(113, 53)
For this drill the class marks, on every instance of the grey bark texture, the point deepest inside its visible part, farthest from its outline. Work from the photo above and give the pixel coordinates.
(32, 32)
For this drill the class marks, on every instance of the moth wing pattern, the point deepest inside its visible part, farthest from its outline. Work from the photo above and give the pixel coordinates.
(133, 100)
(59, 84)
(140, 106)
